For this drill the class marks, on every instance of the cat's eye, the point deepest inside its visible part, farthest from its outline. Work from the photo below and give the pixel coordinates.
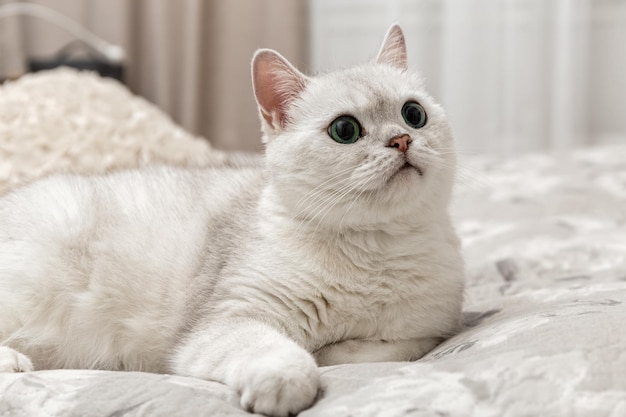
(414, 114)
(345, 129)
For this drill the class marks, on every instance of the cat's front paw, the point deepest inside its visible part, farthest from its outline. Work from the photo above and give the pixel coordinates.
(13, 361)
(279, 385)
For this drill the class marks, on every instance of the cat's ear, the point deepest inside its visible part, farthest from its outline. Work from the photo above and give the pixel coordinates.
(393, 50)
(276, 84)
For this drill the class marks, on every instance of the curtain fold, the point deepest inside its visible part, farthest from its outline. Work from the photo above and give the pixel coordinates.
(12, 54)
(192, 58)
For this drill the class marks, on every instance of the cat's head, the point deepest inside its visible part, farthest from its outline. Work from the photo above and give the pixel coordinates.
(357, 146)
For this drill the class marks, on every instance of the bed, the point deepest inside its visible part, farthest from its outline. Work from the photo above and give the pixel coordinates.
(544, 239)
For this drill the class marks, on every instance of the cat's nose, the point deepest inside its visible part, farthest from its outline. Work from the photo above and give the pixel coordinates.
(401, 142)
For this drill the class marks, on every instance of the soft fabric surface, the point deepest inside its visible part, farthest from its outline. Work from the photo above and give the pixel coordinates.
(65, 120)
(545, 246)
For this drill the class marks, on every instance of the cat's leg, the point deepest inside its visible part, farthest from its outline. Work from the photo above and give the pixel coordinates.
(13, 361)
(356, 351)
(272, 373)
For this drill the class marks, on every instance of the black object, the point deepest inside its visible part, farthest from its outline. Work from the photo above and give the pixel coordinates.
(91, 60)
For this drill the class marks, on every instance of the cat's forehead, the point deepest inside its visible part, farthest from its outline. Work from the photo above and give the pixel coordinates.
(367, 86)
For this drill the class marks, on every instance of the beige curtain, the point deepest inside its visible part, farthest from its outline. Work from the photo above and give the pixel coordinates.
(190, 57)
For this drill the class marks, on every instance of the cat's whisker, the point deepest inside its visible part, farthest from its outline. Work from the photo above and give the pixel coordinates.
(320, 204)
(329, 209)
(334, 202)
(316, 206)
(321, 188)
(364, 188)
(471, 178)
(318, 198)
(317, 203)
(464, 175)
(462, 171)
(454, 150)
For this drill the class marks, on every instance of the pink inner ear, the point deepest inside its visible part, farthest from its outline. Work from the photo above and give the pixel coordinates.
(276, 84)
(393, 50)
(266, 95)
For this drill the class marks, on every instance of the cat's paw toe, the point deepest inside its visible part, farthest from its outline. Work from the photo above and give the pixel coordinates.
(277, 389)
(13, 361)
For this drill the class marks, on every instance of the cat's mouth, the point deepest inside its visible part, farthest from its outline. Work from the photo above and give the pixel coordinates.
(405, 169)
(407, 165)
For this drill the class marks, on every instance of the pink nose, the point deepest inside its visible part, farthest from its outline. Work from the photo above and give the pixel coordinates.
(401, 142)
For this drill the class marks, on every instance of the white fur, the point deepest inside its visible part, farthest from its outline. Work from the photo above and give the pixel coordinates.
(248, 276)
(13, 361)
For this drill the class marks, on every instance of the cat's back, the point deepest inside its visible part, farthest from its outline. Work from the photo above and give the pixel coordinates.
(74, 200)
(148, 215)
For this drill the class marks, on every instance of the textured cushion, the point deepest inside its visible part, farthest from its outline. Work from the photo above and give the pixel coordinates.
(65, 120)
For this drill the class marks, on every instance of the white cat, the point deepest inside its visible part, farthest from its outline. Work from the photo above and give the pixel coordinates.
(338, 250)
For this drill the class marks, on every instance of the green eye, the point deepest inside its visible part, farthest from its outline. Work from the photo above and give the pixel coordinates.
(345, 129)
(414, 114)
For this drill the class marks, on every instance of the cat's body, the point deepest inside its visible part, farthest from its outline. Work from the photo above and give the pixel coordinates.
(108, 265)
(341, 248)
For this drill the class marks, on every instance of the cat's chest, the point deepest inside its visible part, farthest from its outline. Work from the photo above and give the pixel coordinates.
(377, 289)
